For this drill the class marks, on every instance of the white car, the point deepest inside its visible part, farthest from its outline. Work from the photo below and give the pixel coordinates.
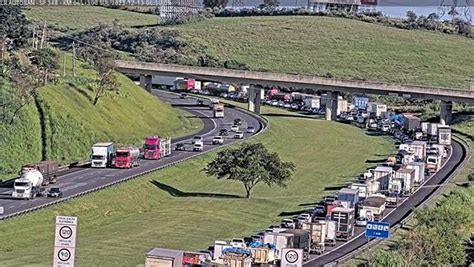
(305, 217)
(234, 128)
(239, 135)
(361, 222)
(218, 140)
(287, 105)
(196, 139)
(198, 146)
(275, 103)
(237, 243)
(250, 129)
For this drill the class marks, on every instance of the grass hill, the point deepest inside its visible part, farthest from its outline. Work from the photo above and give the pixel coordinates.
(72, 124)
(344, 48)
(74, 18)
(117, 226)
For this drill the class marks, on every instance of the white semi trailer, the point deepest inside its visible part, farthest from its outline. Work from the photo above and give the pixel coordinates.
(28, 185)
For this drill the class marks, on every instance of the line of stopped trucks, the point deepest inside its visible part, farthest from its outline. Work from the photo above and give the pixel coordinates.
(34, 179)
(422, 149)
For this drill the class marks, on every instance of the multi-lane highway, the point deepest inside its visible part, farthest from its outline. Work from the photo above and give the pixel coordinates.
(80, 180)
(395, 216)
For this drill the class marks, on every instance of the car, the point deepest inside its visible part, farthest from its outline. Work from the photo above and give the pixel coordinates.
(319, 211)
(250, 129)
(234, 128)
(288, 223)
(239, 135)
(197, 138)
(218, 140)
(180, 147)
(305, 216)
(274, 103)
(198, 146)
(361, 221)
(200, 102)
(287, 105)
(257, 238)
(223, 132)
(238, 121)
(183, 95)
(55, 192)
(237, 243)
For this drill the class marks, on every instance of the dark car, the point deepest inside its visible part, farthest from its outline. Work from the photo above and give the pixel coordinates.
(200, 102)
(183, 95)
(224, 132)
(55, 192)
(180, 147)
(238, 121)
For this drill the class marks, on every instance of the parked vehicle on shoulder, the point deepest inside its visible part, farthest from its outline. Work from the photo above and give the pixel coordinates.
(218, 140)
(180, 147)
(239, 135)
(250, 129)
(234, 128)
(55, 192)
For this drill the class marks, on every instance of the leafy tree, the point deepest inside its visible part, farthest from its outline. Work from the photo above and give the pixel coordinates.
(14, 27)
(106, 80)
(411, 16)
(46, 60)
(251, 164)
(385, 258)
(215, 3)
(271, 3)
(471, 177)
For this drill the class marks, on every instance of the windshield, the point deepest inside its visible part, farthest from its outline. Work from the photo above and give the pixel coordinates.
(149, 146)
(97, 157)
(54, 189)
(197, 138)
(431, 160)
(21, 184)
(122, 154)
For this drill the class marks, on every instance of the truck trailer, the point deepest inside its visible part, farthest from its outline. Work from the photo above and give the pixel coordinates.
(444, 135)
(102, 155)
(317, 231)
(345, 219)
(28, 186)
(127, 157)
(47, 168)
(156, 147)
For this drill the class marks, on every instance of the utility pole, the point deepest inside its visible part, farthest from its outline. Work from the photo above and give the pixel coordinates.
(64, 64)
(73, 59)
(43, 36)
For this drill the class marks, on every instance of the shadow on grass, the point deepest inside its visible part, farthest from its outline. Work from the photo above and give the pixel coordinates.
(336, 187)
(291, 213)
(375, 161)
(374, 134)
(178, 193)
(309, 204)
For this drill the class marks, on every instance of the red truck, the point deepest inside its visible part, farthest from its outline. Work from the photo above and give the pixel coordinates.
(156, 147)
(127, 157)
(184, 84)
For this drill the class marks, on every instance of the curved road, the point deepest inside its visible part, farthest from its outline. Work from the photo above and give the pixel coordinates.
(80, 180)
(397, 215)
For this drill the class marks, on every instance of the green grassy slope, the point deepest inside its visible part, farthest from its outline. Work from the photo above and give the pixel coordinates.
(119, 225)
(73, 124)
(343, 47)
(19, 142)
(81, 17)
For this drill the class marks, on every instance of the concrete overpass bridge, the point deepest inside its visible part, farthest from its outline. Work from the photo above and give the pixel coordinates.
(333, 87)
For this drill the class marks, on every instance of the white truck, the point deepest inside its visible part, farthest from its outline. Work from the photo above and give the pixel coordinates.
(28, 185)
(102, 155)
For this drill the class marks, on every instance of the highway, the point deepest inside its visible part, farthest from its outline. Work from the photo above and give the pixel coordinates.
(84, 179)
(395, 216)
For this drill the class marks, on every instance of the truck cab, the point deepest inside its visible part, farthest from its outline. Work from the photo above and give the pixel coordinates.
(156, 147)
(28, 185)
(102, 155)
(127, 157)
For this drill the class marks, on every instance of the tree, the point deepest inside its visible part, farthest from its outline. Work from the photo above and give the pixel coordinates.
(14, 27)
(271, 3)
(46, 60)
(385, 258)
(106, 80)
(215, 3)
(251, 164)
(411, 16)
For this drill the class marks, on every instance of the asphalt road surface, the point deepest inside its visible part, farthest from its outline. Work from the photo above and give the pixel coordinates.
(394, 215)
(79, 179)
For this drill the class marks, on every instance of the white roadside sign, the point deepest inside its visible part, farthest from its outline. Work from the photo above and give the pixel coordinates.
(65, 241)
(292, 257)
(1, 210)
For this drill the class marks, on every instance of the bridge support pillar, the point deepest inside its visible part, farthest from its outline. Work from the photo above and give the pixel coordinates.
(446, 112)
(145, 82)
(331, 106)
(255, 97)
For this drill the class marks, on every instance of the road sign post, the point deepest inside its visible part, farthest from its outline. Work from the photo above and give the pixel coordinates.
(291, 257)
(379, 230)
(65, 241)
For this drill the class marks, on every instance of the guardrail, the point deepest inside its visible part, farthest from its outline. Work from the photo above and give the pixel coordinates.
(427, 201)
(264, 126)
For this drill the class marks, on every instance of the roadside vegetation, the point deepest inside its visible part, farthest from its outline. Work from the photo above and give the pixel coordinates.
(181, 207)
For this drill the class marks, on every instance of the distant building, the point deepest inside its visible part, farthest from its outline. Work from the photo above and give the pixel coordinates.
(343, 5)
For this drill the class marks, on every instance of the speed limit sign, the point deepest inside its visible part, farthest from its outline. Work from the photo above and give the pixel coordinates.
(65, 241)
(292, 257)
